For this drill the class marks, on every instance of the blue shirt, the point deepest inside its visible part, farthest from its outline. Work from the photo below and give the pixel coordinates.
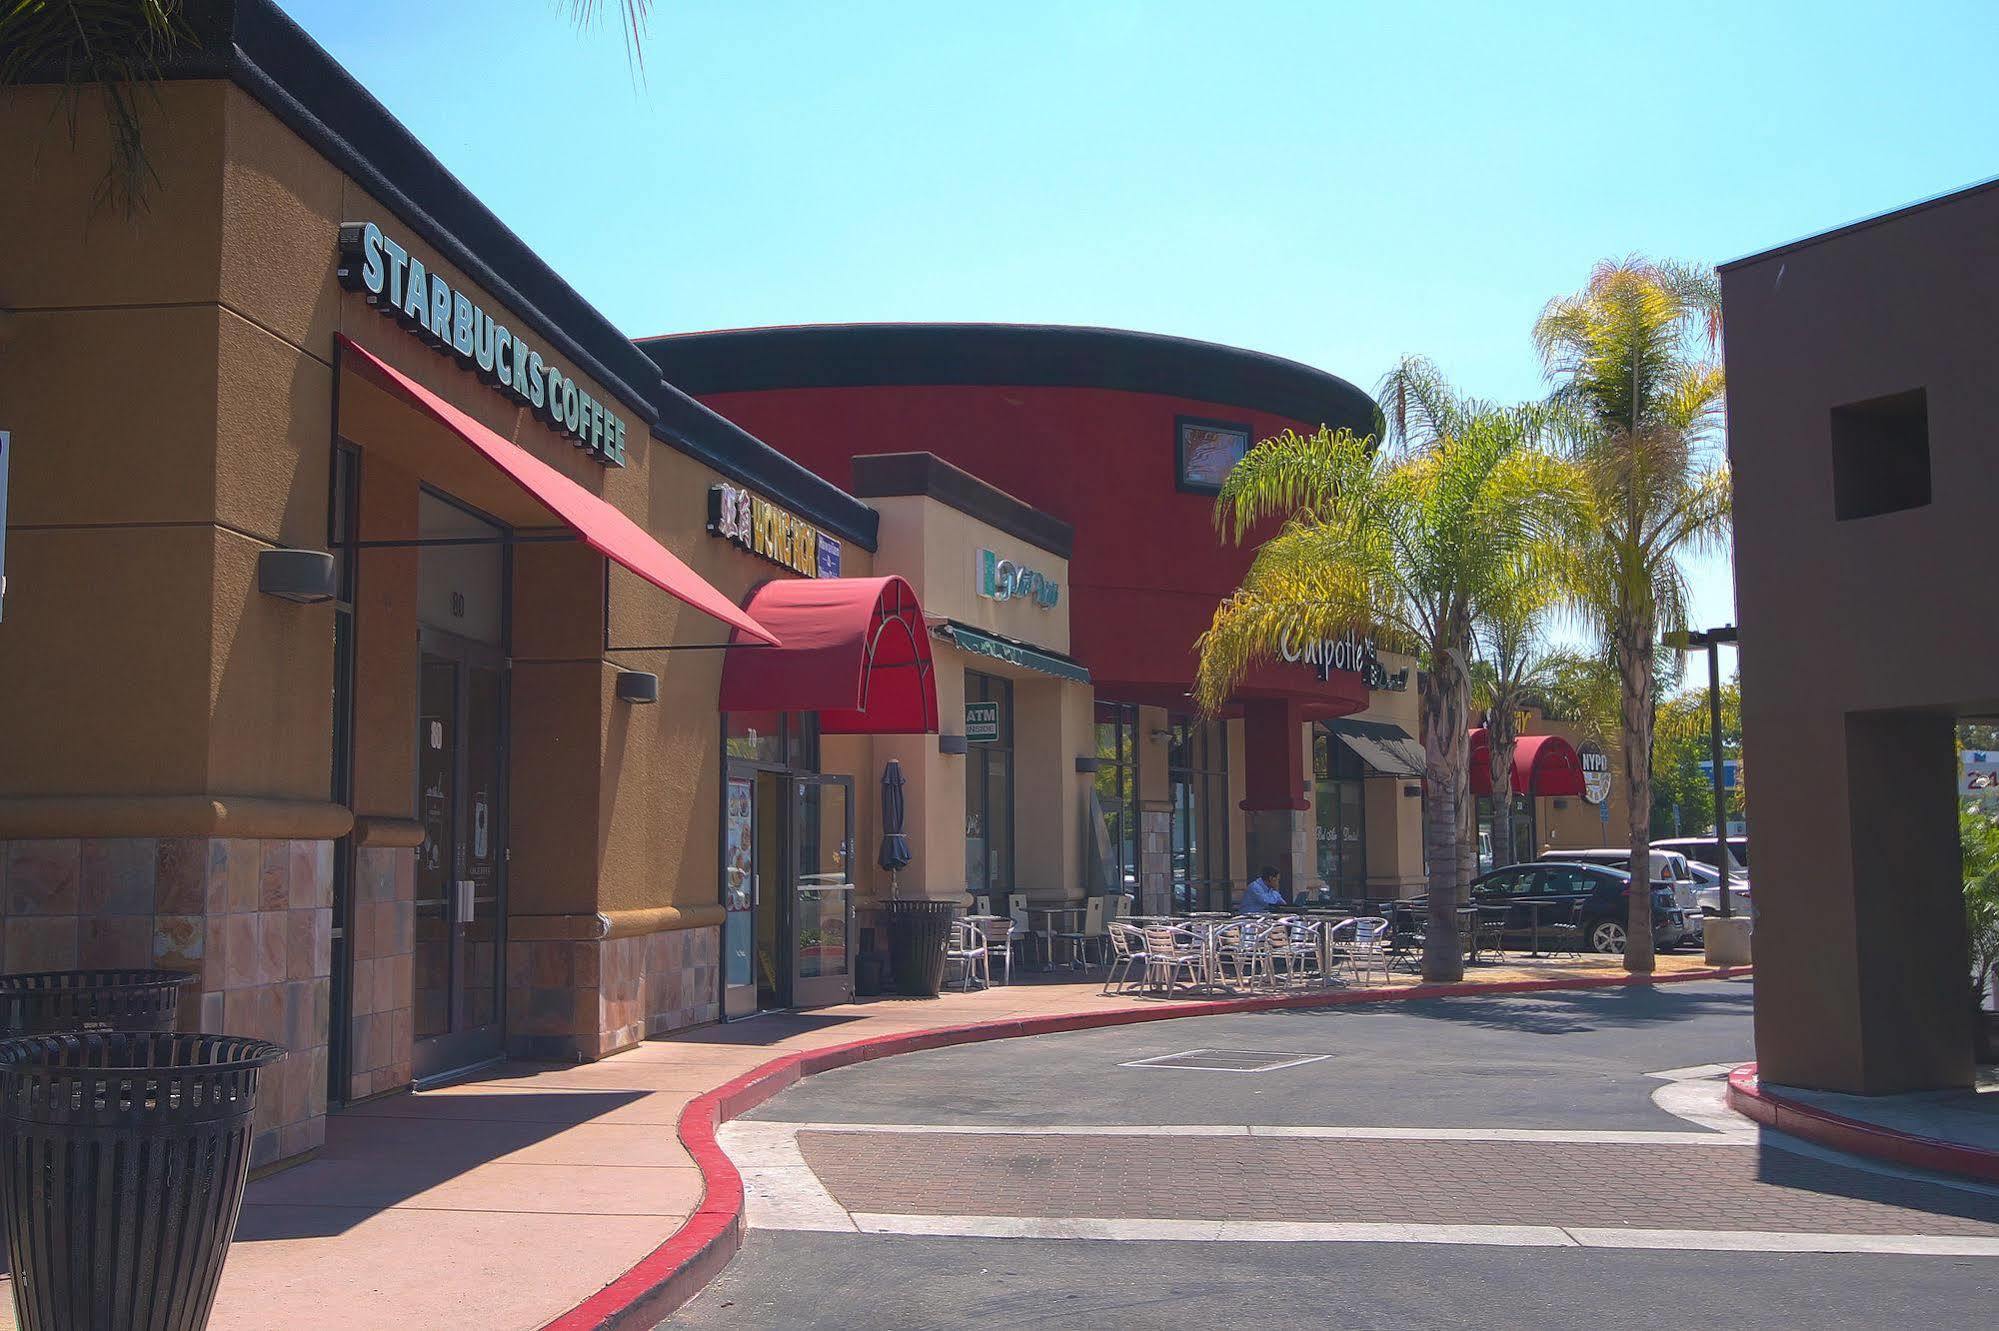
(1259, 897)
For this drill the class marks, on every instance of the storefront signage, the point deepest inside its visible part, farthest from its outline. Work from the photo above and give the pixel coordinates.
(769, 532)
(1004, 580)
(396, 282)
(982, 722)
(1352, 653)
(1596, 773)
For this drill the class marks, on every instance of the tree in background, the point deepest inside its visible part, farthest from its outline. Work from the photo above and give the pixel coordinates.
(1683, 739)
(1978, 839)
(1638, 392)
(1404, 539)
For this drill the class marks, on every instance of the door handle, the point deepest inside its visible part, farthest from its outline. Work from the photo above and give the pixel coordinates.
(462, 911)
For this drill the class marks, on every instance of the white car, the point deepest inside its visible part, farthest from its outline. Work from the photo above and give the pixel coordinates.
(1709, 892)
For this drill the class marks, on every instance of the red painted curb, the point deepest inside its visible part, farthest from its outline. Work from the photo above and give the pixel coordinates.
(676, 1271)
(1749, 1097)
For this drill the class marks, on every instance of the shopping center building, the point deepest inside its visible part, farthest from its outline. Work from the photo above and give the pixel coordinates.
(1861, 398)
(392, 642)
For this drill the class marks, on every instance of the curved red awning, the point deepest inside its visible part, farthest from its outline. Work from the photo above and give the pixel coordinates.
(603, 527)
(855, 650)
(1542, 765)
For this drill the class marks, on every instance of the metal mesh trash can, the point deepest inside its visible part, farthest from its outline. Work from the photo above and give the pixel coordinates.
(917, 932)
(44, 1002)
(125, 1155)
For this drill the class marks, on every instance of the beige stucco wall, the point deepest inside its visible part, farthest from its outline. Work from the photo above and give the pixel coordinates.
(170, 387)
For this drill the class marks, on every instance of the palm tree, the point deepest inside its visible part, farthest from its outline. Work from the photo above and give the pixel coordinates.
(122, 48)
(1404, 539)
(1516, 667)
(1638, 387)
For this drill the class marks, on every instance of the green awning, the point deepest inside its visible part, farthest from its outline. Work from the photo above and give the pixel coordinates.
(980, 643)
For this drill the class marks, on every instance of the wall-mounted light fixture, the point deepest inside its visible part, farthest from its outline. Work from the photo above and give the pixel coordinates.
(952, 744)
(1161, 736)
(638, 686)
(1412, 792)
(1088, 762)
(305, 577)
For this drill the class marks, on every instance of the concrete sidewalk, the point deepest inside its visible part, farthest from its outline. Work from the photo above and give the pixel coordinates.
(501, 1202)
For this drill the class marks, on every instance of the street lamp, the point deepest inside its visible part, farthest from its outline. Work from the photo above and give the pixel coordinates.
(1713, 640)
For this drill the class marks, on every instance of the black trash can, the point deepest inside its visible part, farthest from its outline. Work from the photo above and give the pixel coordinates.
(45, 1002)
(917, 933)
(125, 1158)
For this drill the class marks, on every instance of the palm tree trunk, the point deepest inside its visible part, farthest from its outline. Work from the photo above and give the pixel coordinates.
(1444, 689)
(1500, 732)
(1636, 638)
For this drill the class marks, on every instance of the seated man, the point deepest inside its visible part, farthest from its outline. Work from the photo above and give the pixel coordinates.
(1262, 895)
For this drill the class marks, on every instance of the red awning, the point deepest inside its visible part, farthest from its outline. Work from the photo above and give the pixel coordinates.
(855, 651)
(606, 530)
(1542, 765)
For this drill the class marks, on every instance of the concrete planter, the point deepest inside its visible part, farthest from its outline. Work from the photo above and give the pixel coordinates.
(1727, 940)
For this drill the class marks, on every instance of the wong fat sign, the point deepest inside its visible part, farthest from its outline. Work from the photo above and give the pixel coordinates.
(396, 282)
(1003, 579)
(769, 532)
(1352, 653)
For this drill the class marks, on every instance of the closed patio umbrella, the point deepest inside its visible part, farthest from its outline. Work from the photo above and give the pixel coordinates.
(895, 845)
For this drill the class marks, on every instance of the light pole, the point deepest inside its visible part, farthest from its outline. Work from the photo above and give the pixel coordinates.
(1713, 639)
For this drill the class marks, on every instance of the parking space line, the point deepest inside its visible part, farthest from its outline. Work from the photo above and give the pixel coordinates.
(1553, 1136)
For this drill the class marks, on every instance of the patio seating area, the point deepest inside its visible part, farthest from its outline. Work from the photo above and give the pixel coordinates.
(1219, 954)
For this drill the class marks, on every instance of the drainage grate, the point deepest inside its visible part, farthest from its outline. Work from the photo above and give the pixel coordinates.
(1225, 1060)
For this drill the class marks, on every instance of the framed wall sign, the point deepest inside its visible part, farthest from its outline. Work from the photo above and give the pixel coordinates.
(1206, 451)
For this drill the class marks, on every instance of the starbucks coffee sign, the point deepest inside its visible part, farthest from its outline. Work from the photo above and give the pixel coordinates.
(1596, 771)
(395, 282)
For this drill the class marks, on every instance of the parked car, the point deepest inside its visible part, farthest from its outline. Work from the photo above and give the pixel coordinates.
(1602, 892)
(1709, 894)
(1701, 850)
(1670, 870)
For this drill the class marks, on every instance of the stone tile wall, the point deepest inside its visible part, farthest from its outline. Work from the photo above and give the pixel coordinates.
(1155, 866)
(583, 999)
(253, 918)
(381, 1037)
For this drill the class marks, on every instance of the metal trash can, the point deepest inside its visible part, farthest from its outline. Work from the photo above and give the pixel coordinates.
(917, 933)
(125, 1159)
(45, 1002)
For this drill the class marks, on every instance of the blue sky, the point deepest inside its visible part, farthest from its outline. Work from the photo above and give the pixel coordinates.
(1338, 183)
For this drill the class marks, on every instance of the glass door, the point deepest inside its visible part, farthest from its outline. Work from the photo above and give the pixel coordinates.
(822, 890)
(740, 893)
(461, 864)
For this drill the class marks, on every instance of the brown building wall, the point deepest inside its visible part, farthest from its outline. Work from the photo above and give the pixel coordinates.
(1862, 638)
(172, 390)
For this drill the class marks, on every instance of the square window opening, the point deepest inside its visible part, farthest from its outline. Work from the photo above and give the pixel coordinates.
(1881, 455)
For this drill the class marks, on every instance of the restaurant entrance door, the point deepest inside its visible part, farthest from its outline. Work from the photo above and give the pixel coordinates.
(787, 888)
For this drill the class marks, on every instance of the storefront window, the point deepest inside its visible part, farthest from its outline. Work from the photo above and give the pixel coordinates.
(1197, 771)
(776, 739)
(1340, 800)
(1117, 789)
(989, 792)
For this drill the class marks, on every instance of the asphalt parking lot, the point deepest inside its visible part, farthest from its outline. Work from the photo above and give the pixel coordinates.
(1557, 1159)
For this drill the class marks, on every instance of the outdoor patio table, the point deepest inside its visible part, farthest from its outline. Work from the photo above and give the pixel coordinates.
(1534, 909)
(1054, 920)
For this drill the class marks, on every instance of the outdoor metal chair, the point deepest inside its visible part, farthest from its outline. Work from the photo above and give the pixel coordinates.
(1000, 942)
(1365, 943)
(1169, 950)
(1565, 936)
(1302, 949)
(1127, 945)
(1091, 935)
(1023, 927)
(967, 947)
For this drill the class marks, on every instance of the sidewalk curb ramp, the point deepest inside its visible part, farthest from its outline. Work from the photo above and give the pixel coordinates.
(694, 1254)
(1773, 1109)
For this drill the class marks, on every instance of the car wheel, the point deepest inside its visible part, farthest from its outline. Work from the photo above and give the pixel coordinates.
(1607, 936)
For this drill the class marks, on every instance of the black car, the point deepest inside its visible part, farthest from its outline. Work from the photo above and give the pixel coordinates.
(1603, 894)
